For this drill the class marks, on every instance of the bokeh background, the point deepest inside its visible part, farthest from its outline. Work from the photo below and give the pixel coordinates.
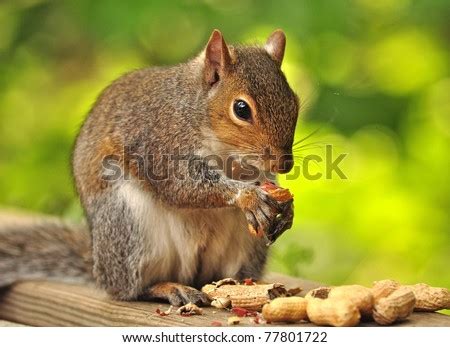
(373, 77)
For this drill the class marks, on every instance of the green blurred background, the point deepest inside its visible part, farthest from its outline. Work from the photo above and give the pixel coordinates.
(373, 76)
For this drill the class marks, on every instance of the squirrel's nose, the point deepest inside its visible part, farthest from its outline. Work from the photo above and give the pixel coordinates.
(284, 164)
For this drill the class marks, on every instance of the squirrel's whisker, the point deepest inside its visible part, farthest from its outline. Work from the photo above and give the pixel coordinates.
(306, 137)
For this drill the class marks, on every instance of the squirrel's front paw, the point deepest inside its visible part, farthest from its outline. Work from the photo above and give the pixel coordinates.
(265, 215)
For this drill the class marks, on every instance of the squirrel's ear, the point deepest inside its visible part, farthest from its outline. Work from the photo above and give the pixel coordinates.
(217, 57)
(275, 45)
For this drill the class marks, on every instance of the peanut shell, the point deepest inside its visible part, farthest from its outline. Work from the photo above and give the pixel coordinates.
(338, 312)
(430, 298)
(395, 307)
(290, 309)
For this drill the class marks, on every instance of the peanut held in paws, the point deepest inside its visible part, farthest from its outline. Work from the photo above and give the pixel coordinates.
(267, 216)
(278, 193)
(268, 209)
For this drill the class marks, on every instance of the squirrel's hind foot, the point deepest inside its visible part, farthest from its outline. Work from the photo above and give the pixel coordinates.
(176, 294)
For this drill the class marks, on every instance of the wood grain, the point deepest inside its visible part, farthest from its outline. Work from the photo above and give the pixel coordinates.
(39, 303)
(5, 323)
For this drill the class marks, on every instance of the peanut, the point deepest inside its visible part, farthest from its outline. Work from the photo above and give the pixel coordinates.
(338, 312)
(361, 296)
(427, 298)
(290, 309)
(397, 306)
(248, 297)
(430, 298)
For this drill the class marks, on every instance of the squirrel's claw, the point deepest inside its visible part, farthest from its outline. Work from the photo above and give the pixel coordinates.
(176, 294)
(282, 222)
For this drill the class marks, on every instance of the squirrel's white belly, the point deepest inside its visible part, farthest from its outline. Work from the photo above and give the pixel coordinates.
(188, 246)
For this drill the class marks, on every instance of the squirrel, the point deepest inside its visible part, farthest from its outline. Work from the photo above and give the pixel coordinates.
(160, 228)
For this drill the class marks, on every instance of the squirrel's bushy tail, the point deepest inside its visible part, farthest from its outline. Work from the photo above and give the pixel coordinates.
(43, 248)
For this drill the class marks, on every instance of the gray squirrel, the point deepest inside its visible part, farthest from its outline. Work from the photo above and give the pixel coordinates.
(163, 228)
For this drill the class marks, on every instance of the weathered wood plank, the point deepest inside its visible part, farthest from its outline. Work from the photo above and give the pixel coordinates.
(39, 303)
(5, 323)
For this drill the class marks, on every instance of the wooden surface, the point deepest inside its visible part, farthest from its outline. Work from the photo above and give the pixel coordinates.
(58, 304)
(5, 323)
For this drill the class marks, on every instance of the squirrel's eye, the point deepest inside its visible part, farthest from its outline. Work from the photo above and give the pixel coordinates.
(242, 110)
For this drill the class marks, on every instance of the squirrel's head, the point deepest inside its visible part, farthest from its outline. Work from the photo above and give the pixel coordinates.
(252, 109)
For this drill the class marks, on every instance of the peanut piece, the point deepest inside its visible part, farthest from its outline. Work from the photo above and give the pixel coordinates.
(221, 303)
(430, 298)
(290, 309)
(338, 312)
(395, 307)
(361, 296)
(234, 320)
(276, 192)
